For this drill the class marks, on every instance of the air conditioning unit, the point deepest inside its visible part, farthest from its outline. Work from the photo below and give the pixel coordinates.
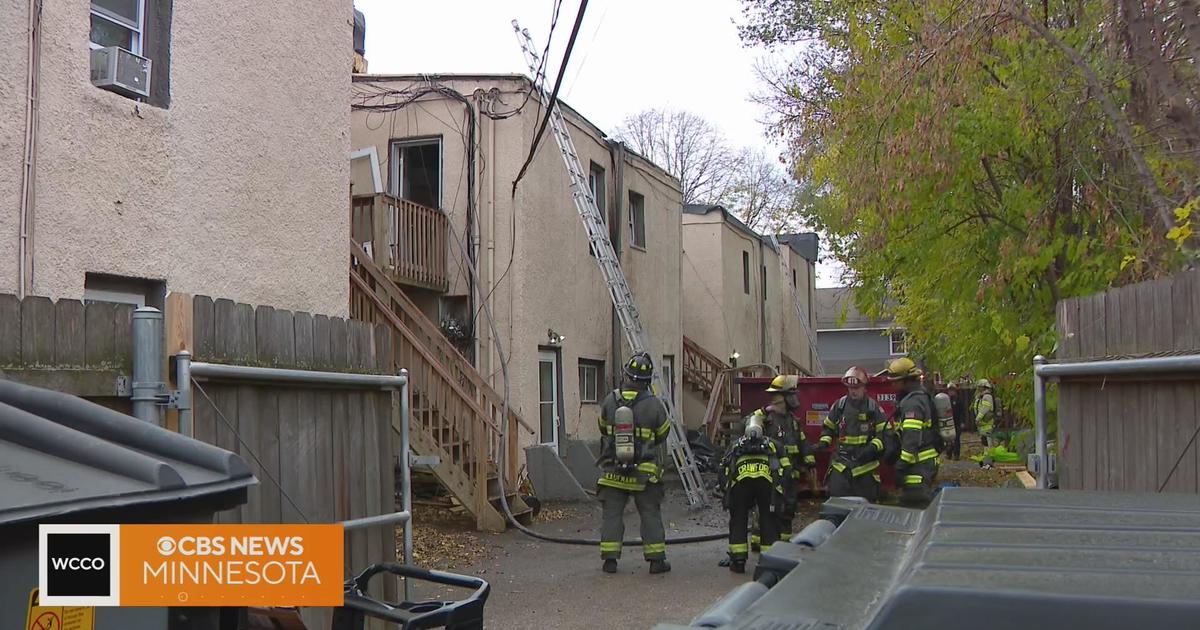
(118, 70)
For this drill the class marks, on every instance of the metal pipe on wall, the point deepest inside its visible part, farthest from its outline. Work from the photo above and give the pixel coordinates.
(148, 385)
(183, 402)
(29, 160)
(1117, 367)
(398, 383)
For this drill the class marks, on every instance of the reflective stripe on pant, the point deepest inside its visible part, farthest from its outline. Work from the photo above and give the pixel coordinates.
(916, 482)
(612, 528)
(844, 484)
(743, 496)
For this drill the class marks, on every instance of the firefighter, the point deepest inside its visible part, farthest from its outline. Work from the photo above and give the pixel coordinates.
(633, 422)
(917, 467)
(781, 426)
(985, 416)
(857, 423)
(753, 474)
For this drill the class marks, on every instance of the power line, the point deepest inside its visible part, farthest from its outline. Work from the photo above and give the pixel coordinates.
(562, 69)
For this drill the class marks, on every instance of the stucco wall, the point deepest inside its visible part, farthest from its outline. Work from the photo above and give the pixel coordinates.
(795, 343)
(553, 282)
(238, 190)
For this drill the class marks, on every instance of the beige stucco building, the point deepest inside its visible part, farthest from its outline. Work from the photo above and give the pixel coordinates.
(738, 294)
(230, 179)
(551, 306)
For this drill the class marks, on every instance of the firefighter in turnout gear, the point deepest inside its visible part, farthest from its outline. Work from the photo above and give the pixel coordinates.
(781, 425)
(633, 422)
(985, 416)
(753, 473)
(920, 442)
(856, 422)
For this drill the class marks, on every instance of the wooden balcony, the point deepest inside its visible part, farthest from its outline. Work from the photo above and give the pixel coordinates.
(407, 240)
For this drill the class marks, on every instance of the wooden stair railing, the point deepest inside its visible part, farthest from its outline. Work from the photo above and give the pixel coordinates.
(455, 414)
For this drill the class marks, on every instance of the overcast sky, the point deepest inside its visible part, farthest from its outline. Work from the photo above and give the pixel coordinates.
(630, 55)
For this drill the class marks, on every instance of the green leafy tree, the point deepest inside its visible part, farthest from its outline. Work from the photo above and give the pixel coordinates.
(973, 163)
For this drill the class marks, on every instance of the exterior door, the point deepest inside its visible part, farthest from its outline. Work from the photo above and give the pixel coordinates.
(548, 402)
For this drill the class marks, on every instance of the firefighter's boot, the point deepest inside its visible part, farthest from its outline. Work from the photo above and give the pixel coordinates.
(610, 566)
(656, 566)
(737, 565)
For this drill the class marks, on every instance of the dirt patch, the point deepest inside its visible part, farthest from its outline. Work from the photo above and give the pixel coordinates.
(443, 539)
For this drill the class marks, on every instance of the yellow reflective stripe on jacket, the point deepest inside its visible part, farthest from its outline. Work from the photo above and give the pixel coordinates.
(628, 395)
(864, 469)
(622, 482)
(784, 462)
(610, 546)
(606, 428)
(854, 440)
(929, 453)
(877, 443)
(791, 449)
(912, 480)
(912, 423)
(908, 456)
(829, 423)
(651, 469)
(664, 429)
(645, 434)
(838, 466)
(827, 439)
(881, 427)
(810, 459)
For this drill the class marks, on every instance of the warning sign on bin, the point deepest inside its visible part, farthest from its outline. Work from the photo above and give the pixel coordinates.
(41, 617)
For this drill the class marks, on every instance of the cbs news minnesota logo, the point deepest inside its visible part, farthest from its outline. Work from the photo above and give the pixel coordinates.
(190, 565)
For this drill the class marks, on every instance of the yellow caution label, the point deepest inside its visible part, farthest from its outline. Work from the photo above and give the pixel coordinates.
(58, 617)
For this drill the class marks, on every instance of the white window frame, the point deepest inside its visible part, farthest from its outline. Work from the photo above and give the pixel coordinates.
(633, 224)
(396, 166)
(892, 342)
(137, 40)
(595, 367)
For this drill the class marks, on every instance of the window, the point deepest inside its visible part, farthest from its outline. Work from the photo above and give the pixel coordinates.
(596, 184)
(415, 171)
(591, 375)
(143, 27)
(746, 272)
(764, 283)
(118, 23)
(668, 373)
(794, 285)
(637, 220)
(899, 343)
(101, 287)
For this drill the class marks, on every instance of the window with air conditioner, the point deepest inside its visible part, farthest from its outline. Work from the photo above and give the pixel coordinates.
(129, 48)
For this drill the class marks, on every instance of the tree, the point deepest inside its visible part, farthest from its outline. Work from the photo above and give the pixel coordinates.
(761, 193)
(685, 145)
(972, 163)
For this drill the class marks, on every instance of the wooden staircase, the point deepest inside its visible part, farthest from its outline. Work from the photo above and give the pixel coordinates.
(455, 414)
(712, 378)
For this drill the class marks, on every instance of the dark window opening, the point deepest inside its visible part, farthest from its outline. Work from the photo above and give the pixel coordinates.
(596, 185)
(415, 171)
(637, 220)
(746, 272)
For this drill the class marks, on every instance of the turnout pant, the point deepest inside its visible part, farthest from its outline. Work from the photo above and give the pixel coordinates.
(845, 484)
(916, 482)
(744, 496)
(649, 507)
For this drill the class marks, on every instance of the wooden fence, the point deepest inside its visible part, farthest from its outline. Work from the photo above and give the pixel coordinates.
(320, 455)
(1128, 433)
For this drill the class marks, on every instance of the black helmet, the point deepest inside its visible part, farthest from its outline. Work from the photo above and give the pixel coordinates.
(640, 367)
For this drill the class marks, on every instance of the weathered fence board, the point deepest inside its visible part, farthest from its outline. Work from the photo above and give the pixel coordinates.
(1128, 433)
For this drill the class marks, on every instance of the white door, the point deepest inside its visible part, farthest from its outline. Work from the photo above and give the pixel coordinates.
(548, 397)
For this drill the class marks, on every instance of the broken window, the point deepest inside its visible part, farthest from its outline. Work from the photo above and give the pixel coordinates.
(596, 184)
(415, 171)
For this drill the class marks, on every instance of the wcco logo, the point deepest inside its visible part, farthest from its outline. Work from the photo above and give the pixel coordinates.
(77, 565)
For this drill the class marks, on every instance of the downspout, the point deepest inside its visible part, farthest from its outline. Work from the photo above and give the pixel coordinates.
(762, 306)
(25, 245)
(492, 238)
(617, 151)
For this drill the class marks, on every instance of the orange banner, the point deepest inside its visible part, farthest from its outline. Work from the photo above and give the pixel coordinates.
(231, 565)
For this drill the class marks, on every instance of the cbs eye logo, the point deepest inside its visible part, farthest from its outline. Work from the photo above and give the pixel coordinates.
(78, 565)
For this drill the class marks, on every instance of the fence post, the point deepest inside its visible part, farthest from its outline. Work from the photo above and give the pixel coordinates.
(147, 364)
(1039, 411)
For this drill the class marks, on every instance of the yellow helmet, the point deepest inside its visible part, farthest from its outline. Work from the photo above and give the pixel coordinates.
(784, 383)
(900, 369)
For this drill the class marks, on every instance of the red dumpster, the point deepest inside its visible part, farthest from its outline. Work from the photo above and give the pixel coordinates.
(817, 395)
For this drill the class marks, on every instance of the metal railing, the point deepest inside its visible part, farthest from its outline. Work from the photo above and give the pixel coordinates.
(1043, 371)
